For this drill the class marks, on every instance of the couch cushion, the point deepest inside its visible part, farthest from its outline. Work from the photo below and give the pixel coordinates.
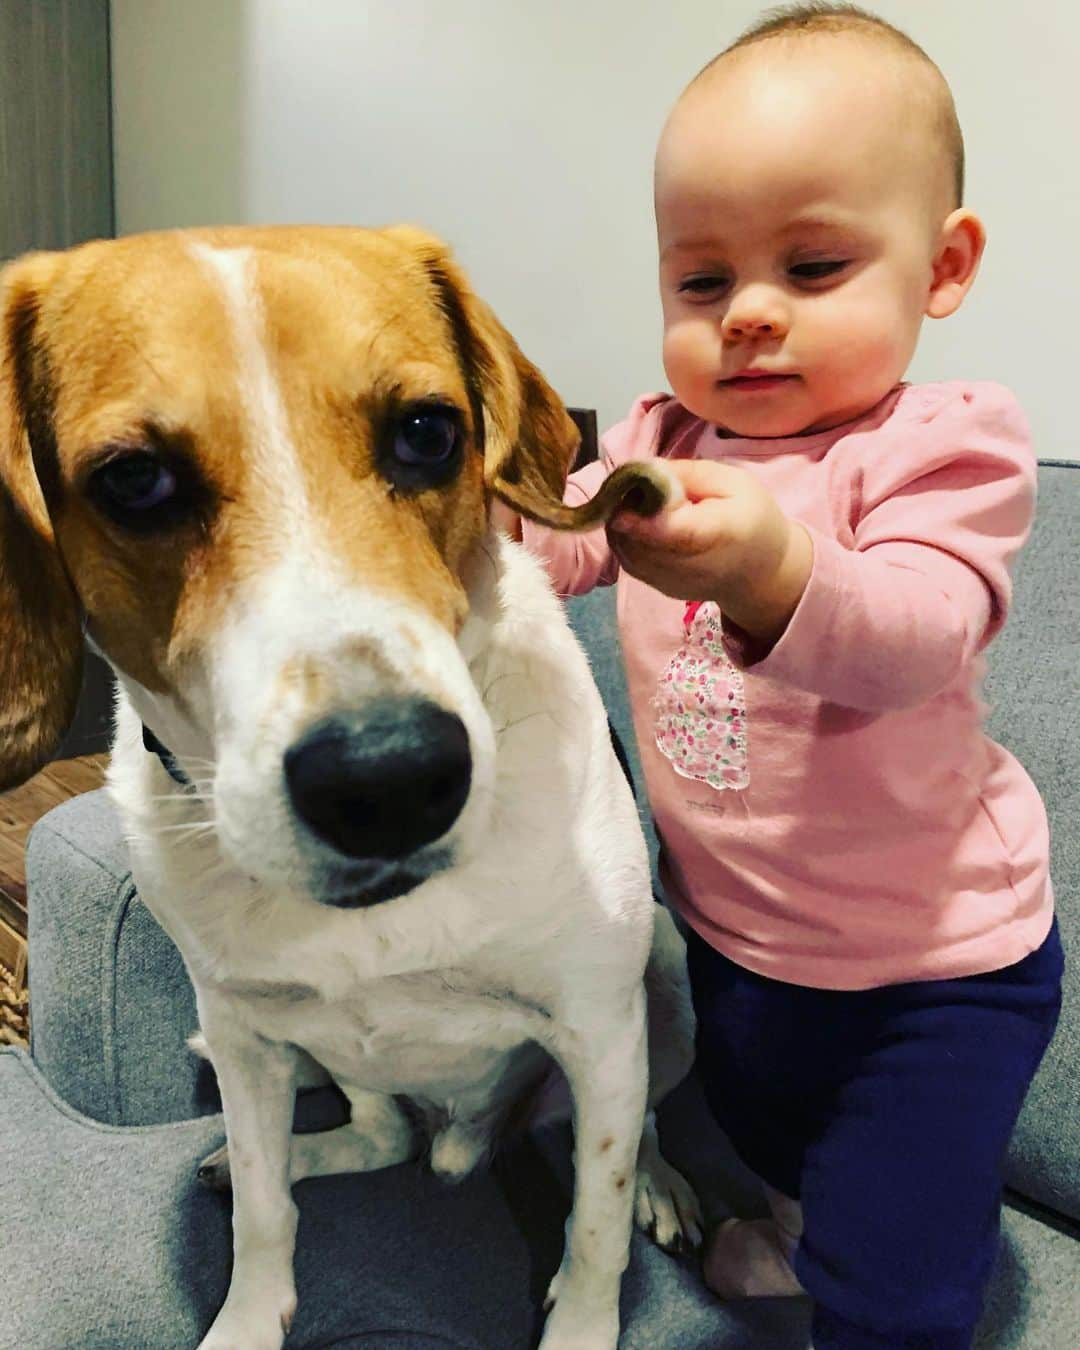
(110, 1245)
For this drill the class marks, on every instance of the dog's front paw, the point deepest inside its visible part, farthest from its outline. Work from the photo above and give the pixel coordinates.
(251, 1325)
(666, 1207)
(577, 1322)
(570, 1326)
(457, 1151)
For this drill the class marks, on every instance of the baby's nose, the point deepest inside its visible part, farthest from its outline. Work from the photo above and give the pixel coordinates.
(755, 314)
(737, 329)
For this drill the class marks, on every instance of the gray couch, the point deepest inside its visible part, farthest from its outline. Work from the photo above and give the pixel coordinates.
(107, 1241)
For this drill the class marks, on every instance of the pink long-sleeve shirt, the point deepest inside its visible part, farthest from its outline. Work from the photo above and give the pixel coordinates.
(859, 828)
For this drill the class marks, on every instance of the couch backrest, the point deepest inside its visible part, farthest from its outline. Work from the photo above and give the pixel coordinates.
(1033, 687)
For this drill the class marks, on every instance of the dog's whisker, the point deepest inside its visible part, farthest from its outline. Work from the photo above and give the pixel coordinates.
(490, 557)
(193, 826)
(528, 717)
(506, 675)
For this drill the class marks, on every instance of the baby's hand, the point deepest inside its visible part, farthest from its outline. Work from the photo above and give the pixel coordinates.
(728, 542)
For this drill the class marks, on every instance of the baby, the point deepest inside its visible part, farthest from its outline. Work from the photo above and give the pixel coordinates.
(872, 950)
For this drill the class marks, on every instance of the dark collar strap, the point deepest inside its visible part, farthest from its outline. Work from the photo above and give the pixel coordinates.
(171, 767)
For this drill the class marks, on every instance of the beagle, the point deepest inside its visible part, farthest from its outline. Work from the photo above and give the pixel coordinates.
(363, 769)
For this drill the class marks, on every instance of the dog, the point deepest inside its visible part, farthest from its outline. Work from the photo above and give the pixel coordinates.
(363, 769)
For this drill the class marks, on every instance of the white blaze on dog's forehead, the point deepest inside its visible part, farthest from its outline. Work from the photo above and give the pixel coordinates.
(271, 441)
(364, 641)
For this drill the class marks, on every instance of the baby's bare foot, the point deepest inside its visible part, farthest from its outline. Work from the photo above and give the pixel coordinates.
(745, 1258)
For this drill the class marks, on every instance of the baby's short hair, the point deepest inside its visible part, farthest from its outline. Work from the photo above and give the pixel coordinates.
(816, 17)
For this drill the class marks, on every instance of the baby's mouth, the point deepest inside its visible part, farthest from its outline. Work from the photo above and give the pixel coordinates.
(756, 381)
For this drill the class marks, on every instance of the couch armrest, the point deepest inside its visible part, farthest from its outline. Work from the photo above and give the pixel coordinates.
(110, 1000)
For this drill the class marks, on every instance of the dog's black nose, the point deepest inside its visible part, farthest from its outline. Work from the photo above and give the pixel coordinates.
(383, 782)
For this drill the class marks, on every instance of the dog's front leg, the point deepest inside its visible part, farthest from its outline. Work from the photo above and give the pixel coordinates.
(257, 1082)
(602, 1051)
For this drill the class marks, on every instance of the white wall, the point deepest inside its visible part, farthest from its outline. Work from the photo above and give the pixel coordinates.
(524, 133)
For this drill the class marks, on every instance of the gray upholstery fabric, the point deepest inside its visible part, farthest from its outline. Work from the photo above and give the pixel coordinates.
(112, 1003)
(592, 618)
(78, 889)
(1033, 688)
(119, 1247)
(110, 1245)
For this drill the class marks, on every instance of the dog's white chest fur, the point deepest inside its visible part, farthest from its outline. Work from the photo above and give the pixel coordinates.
(429, 1035)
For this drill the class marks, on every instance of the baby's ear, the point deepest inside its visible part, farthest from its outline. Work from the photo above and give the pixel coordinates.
(40, 630)
(528, 438)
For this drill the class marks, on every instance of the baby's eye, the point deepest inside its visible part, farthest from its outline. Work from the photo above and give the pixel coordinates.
(818, 269)
(704, 284)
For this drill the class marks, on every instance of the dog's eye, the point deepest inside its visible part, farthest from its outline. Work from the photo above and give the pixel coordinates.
(140, 492)
(421, 446)
(427, 436)
(135, 482)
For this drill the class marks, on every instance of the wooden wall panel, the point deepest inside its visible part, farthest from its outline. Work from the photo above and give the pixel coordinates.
(56, 185)
(55, 139)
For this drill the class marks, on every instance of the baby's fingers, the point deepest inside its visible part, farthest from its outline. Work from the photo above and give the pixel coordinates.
(704, 478)
(690, 528)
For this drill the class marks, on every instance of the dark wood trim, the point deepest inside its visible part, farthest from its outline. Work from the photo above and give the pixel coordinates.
(585, 418)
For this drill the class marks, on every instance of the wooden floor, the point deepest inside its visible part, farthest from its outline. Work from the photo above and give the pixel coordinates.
(19, 810)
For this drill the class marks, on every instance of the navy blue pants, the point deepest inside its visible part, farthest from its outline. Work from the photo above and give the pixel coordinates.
(887, 1113)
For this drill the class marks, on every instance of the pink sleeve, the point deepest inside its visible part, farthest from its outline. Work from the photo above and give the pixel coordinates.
(890, 620)
(578, 562)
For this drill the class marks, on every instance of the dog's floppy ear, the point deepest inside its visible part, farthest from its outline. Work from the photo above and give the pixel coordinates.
(528, 438)
(40, 631)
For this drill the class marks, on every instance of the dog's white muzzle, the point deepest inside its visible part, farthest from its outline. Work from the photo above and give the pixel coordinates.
(365, 770)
